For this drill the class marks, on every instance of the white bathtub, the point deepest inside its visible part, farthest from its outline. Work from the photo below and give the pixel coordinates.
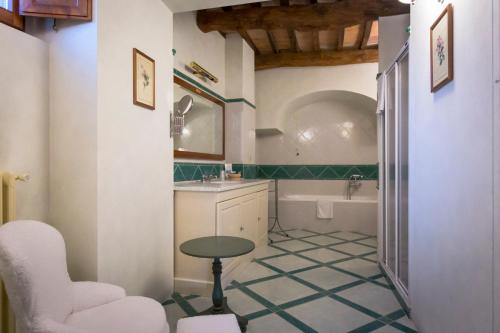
(298, 211)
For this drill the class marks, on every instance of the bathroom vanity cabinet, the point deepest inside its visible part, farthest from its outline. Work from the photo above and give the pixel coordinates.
(222, 209)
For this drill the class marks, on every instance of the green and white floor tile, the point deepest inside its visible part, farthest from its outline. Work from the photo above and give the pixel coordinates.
(309, 282)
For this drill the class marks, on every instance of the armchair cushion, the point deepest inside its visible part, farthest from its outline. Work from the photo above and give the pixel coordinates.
(127, 315)
(87, 295)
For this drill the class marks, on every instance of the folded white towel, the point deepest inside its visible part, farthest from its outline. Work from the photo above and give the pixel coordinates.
(324, 209)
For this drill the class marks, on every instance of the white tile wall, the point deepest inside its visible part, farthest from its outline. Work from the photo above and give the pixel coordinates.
(333, 129)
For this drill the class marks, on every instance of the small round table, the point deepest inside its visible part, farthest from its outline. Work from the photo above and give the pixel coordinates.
(218, 247)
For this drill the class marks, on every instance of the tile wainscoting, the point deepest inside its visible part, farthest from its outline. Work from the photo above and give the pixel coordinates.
(194, 171)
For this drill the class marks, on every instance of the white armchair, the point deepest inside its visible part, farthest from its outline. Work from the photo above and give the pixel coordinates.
(45, 300)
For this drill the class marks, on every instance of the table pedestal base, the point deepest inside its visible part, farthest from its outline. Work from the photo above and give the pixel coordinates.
(242, 321)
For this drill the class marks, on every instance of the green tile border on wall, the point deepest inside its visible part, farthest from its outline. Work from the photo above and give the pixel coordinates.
(194, 171)
(317, 172)
(211, 92)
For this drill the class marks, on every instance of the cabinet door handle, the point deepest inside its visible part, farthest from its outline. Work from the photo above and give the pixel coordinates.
(241, 228)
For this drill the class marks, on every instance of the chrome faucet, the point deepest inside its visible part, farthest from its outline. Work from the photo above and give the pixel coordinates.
(354, 182)
(208, 178)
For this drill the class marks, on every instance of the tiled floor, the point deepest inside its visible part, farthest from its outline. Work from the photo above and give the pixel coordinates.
(310, 282)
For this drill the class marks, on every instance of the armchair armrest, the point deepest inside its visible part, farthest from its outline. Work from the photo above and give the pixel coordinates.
(87, 295)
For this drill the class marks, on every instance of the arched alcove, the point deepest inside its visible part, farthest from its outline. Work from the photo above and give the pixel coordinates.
(323, 127)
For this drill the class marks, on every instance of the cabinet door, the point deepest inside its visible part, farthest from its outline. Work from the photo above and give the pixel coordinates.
(262, 225)
(69, 9)
(249, 217)
(229, 218)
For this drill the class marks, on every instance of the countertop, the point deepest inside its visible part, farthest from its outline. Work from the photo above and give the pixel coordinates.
(217, 186)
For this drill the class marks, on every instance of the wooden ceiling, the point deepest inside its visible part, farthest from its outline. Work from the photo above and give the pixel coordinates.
(289, 33)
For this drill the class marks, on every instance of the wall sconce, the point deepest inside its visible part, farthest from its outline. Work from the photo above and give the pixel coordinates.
(201, 72)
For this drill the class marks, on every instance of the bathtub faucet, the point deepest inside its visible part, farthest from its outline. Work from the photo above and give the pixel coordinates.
(354, 182)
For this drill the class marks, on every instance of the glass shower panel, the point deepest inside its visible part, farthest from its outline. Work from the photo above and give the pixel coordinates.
(403, 172)
(390, 173)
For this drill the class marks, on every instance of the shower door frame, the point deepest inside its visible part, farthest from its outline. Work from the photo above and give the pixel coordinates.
(385, 178)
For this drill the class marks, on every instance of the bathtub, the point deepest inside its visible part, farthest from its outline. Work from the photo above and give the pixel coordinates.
(298, 211)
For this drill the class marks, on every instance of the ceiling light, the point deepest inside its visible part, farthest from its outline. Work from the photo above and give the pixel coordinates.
(408, 2)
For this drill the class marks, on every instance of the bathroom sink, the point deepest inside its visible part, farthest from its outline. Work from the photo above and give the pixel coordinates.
(226, 182)
(217, 185)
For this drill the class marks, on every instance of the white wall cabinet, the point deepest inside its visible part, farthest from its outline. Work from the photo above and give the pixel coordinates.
(241, 213)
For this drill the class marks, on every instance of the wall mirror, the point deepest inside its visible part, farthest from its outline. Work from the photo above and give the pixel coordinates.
(203, 134)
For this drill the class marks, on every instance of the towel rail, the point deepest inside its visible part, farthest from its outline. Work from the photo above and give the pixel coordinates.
(8, 213)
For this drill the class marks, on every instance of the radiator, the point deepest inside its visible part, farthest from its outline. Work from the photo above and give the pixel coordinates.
(7, 213)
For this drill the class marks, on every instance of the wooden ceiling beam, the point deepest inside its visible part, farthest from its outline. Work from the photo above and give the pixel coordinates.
(340, 41)
(361, 35)
(320, 58)
(293, 41)
(249, 41)
(320, 16)
(366, 35)
(315, 40)
(272, 41)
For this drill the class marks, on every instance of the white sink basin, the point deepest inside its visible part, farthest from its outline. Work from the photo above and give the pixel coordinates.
(217, 185)
(225, 182)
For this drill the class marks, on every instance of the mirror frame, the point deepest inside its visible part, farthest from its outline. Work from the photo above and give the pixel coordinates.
(197, 155)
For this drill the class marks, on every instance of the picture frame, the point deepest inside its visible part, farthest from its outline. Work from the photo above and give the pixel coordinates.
(441, 39)
(144, 80)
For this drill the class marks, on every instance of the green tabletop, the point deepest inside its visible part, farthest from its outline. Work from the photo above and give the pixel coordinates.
(217, 247)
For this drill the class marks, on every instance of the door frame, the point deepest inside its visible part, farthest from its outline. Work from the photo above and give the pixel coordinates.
(401, 289)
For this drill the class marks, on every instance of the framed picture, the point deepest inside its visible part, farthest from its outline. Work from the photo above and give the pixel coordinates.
(442, 50)
(144, 80)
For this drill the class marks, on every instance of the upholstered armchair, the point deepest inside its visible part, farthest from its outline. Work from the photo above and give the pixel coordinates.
(45, 300)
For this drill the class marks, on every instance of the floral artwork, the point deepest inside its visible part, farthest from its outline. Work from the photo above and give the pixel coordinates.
(442, 50)
(145, 77)
(144, 80)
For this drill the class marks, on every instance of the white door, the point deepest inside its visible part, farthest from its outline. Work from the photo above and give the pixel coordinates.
(229, 218)
(249, 217)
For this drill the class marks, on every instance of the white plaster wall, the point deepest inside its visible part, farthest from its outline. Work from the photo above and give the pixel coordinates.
(240, 133)
(496, 152)
(73, 138)
(207, 49)
(248, 73)
(393, 34)
(451, 175)
(240, 68)
(275, 88)
(135, 155)
(111, 165)
(234, 65)
(24, 117)
(240, 117)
